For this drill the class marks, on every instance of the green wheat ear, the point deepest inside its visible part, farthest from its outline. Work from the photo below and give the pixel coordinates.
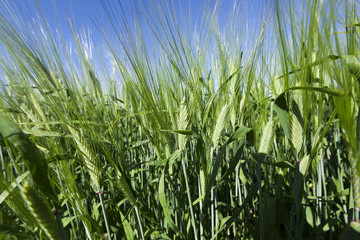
(266, 137)
(296, 133)
(219, 126)
(353, 64)
(45, 219)
(182, 124)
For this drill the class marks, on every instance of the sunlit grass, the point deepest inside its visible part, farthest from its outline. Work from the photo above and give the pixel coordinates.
(226, 135)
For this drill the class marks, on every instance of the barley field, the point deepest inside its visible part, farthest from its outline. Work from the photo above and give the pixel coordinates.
(223, 132)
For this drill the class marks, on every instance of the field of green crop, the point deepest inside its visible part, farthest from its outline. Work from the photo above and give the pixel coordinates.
(240, 134)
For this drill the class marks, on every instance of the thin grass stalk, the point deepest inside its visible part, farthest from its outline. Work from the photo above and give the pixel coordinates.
(177, 205)
(324, 186)
(189, 198)
(104, 215)
(319, 188)
(2, 162)
(242, 191)
(212, 216)
(201, 223)
(194, 177)
(87, 231)
(228, 191)
(216, 209)
(174, 194)
(212, 199)
(139, 223)
(216, 204)
(237, 195)
(298, 200)
(261, 216)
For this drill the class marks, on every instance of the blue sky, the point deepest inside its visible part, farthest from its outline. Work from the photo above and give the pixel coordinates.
(80, 10)
(84, 12)
(189, 14)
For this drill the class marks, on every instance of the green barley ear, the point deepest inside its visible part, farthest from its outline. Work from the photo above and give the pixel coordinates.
(202, 182)
(241, 109)
(125, 188)
(219, 127)
(296, 133)
(44, 217)
(265, 141)
(353, 64)
(182, 124)
(89, 157)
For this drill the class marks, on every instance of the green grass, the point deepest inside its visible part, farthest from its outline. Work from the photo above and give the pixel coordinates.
(215, 139)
